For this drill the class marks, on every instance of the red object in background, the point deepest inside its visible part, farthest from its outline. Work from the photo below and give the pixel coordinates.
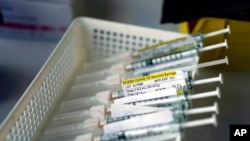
(32, 27)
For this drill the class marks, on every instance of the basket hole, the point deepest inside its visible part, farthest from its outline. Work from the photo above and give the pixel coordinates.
(95, 30)
(101, 43)
(101, 49)
(10, 137)
(16, 125)
(126, 48)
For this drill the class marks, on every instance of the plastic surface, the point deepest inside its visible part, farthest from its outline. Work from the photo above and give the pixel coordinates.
(84, 137)
(163, 117)
(150, 95)
(103, 97)
(125, 110)
(85, 40)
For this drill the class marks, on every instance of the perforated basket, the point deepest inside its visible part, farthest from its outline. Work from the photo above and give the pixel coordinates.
(85, 40)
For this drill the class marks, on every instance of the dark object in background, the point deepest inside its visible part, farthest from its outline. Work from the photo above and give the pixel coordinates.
(205, 16)
(8, 83)
(1, 17)
(176, 11)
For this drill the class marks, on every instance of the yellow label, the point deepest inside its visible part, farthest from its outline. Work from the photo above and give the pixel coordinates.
(182, 48)
(175, 50)
(159, 44)
(180, 92)
(148, 77)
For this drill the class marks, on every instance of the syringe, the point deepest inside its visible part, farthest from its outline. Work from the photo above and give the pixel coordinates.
(150, 51)
(102, 111)
(143, 109)
(124, 110)
(173, 99)
(180, 44)
(107, 97)
(147, 132)
(113, 83)
(138, 65)
(170, 60)
(189, 67)
(170, 136)
(189, 84)
(163, 116)
(117, 79)
(126, 69)
(168, 115)
(96, 110)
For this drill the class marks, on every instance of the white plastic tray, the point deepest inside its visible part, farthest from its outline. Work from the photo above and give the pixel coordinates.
(86, 39)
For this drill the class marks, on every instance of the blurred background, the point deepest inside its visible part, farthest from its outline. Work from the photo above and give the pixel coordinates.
(31, 29)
